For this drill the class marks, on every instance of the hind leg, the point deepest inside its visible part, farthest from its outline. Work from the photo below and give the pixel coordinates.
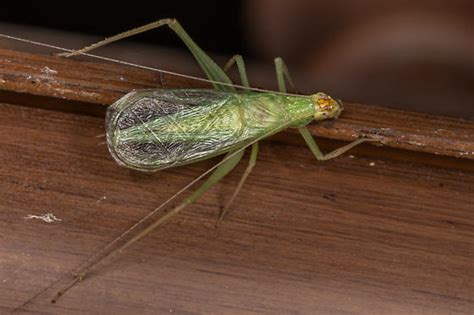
(214, 73)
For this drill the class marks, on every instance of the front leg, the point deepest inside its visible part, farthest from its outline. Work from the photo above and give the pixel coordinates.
(283, 76)
(308, 138)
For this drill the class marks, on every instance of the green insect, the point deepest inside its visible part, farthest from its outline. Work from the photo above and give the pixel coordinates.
(154, 129)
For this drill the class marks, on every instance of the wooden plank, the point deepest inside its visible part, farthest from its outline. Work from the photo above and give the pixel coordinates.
(99, 83)
(381, 230)
(352, 235)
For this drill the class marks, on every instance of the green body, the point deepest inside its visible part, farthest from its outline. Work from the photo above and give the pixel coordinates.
(157, 128)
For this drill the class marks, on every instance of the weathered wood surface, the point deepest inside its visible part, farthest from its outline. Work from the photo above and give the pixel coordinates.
(383, 231)
(98, 83)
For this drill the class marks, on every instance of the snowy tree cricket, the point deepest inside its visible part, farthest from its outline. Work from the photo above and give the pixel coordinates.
(154, 129)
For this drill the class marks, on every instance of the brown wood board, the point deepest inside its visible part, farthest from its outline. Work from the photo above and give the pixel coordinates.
(379, 230)
(98, 83)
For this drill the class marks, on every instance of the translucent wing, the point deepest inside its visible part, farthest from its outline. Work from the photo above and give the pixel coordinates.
(155, 129)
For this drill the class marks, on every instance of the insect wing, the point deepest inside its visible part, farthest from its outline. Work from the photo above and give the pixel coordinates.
(156, 129)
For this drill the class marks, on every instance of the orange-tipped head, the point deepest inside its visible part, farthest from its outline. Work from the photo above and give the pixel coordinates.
(325, 106)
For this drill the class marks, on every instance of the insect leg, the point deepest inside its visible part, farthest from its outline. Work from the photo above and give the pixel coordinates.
(220, 172)
(331, 155)
(282, 74)
(239, 61)
(117, 37)
(210, 68)
(248, 170)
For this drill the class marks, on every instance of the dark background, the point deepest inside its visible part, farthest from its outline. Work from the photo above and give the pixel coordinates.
(216, 25)
(417, 55)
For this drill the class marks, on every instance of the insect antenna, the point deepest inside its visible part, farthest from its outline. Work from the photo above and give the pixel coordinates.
(162, 71)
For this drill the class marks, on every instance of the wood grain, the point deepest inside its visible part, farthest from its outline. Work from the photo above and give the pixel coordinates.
(352, 235)
(382, 230)
(98, 83)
